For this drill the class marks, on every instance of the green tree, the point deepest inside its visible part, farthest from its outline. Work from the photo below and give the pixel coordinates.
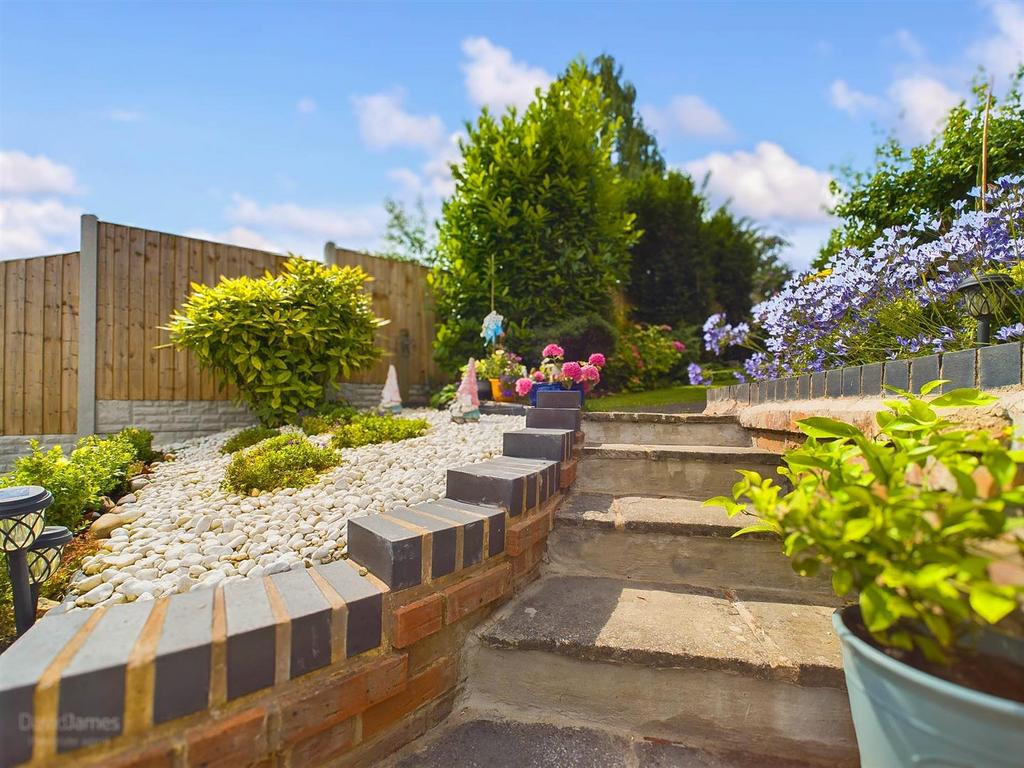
(409, 236)
(539, 207)
(931, 176)
(636, 150)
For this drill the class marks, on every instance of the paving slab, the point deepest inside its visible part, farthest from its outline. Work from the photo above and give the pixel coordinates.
(651, 514)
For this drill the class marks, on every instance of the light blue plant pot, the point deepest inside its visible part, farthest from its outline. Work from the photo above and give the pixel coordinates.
(906, 718)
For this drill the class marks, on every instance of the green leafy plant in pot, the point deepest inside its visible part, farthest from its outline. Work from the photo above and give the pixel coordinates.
(921, 525)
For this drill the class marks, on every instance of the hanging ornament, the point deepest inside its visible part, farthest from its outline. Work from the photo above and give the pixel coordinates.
(466, 405)
(492, 327)
(391, 397)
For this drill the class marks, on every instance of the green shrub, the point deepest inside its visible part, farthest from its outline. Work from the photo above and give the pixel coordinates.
(105, 460)
(248, 436)
(443, 397)
(73, 488)
(909, 522)
(646, 357)
(142, 442)
(281, 339)
(367, 429)
(284, 461)
(579, 336)
(316, 425)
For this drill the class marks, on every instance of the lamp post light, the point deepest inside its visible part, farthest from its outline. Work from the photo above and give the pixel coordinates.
(22, 520)
(44, 557)
(984, 297)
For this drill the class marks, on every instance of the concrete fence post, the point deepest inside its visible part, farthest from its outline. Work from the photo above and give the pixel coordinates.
(87, 276)
(330, 253)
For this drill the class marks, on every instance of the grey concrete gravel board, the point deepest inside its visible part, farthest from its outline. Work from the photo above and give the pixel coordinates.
(999, 366)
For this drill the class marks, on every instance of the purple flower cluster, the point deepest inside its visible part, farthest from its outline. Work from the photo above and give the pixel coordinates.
(851, 309)
(1010, 332)
(697, 377)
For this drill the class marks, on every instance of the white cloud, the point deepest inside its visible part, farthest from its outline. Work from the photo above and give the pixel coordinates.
(495, 79)
(909, 44)
(852, 101)
(306, 105)
(383, 123)
(125, 115)
(1002, 53)
(923, 103)
(22, 174)
(37, 227)
(329, 223)
(688, 115)
(767, 183)
(242, 236)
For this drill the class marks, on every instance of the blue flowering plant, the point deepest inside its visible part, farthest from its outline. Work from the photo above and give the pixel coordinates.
(897, 299)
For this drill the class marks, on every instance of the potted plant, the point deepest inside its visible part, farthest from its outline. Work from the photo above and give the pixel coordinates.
(922, 526)
(557, 373)
(500, 370)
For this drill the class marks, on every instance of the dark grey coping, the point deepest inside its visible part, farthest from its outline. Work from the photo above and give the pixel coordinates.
(989, 367)
(251, 637)
(183, 657)
(310, 616)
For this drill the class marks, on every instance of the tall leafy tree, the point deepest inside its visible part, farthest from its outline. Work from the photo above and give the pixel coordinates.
(409, 236)
(929, 177)
(540, 211)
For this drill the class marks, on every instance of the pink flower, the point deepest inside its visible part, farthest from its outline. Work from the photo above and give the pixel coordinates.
(538, 376)
(553, 350)
(591, 372)
(572, 371)
(523, 387)
(597, 359)
(680, 347)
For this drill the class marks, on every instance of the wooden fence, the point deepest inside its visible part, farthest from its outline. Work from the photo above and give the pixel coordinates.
(125, 282)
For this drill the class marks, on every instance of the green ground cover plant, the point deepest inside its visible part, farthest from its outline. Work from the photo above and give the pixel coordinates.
(284, 461)
(370, 428)
(248, 436)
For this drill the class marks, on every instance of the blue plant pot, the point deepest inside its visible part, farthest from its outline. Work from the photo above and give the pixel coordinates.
(553, 388)
(906, 717)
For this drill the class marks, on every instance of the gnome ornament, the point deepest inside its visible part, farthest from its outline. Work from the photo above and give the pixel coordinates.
(466, 405)
(390, 397)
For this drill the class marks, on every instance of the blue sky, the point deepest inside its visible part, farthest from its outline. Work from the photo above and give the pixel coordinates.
(282, 125)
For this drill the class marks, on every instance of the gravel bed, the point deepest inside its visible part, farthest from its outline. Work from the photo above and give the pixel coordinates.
(185, 532)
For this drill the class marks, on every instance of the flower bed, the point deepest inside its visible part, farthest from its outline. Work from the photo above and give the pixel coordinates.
(185, 531)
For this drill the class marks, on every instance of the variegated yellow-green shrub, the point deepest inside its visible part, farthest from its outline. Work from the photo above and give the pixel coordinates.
(911, 521)
(281, 339)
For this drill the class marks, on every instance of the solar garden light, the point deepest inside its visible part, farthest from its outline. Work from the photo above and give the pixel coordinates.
(22, 511)
(984, 296)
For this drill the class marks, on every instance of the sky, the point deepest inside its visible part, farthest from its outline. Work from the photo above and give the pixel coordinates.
(283, 125)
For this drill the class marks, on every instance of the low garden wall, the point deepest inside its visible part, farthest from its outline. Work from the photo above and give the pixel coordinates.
(340, 662)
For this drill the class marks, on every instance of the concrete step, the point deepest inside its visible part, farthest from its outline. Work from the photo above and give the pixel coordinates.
(694, 472)
(478, 741)
(677, 543)
(664, 429)
(747, 676)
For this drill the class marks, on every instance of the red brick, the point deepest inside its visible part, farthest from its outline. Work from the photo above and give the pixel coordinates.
(523, 564)
(160, 755)
(417, 620)
(568, 473)
(316, 707)
(521, 536)
(324, 745)
(462, 599)
(430, 684)
(233, 742)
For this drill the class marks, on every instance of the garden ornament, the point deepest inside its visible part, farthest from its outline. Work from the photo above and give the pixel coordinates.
(391, 397)
(466, 405)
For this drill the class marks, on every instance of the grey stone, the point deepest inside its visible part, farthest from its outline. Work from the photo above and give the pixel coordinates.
(364, 602)
(896, 374)
(443, 536)
(534, 443)
(472, 529)
(387, 550)
(960, 368)
(553, 418)
(92, 685)
(923, 370)
(818, 385)
(566, 398)
(251, 637)
(999, 365)
(871, 379)
(310, 615)
(834, 383)
(851, 381)
(183, 657)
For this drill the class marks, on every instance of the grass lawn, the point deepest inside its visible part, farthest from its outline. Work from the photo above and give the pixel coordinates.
(681, 394)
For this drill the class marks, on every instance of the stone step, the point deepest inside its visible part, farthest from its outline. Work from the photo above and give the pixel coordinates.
(677, 543)
(665, 429)
(694, 472)
(751, 676)
(479, 741)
